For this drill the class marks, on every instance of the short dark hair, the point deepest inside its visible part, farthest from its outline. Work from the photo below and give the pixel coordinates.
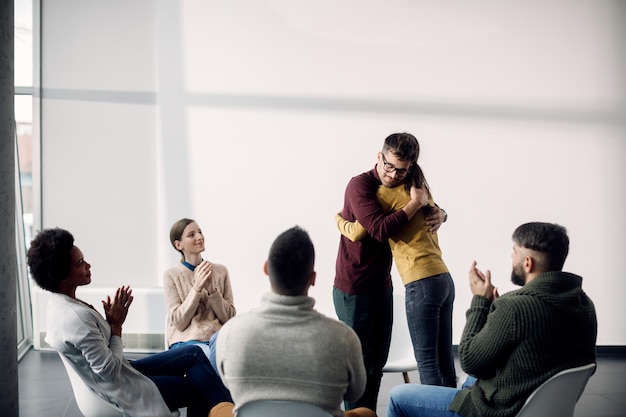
(290, 261)
(49, 258)
(402, 145)
(549, 239)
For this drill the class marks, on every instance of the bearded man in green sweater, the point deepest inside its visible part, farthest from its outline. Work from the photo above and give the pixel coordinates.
(513, 343)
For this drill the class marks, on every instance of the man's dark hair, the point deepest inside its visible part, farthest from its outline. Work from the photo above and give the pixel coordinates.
(402, 145)
(291, 261)
(49, 257)
(549, 239)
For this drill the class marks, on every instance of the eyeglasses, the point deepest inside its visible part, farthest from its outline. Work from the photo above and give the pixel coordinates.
(401, 172)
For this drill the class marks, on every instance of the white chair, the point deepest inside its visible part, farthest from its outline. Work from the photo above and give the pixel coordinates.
(280, 408)
(89, 403)
(557, 397)
(401, 357)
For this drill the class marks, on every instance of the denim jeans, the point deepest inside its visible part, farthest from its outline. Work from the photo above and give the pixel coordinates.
(423, 400)
(371, 317)
(207, 347)
(185, 378)
(429, 315)
(420, 401)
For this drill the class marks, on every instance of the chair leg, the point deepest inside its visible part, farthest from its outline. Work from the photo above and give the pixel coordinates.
(405, 375)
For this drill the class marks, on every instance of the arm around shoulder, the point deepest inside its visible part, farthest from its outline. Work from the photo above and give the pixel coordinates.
(352, 230)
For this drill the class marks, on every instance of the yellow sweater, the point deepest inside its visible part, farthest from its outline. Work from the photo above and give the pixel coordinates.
(415, 250)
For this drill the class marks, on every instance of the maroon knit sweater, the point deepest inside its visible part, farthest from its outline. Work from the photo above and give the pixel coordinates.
(364, 267)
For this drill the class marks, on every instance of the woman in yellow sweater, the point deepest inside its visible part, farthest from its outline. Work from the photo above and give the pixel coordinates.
(429, 288)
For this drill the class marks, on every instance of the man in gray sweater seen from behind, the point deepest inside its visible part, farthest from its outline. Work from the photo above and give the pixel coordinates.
(286, 350)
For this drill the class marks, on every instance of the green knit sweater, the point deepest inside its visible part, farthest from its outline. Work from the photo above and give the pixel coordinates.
(515, 343)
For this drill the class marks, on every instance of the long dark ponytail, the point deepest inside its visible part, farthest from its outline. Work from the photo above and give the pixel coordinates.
(415, 177)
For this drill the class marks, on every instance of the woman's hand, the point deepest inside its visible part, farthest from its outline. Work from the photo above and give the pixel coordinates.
(435, 219)
(202, 276)
(117, 310)
(419, 199)
(420, 194)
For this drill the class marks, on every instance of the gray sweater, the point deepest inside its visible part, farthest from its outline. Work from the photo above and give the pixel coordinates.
(286, 350)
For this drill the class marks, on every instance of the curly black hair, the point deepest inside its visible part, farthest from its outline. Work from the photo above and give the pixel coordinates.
(49, 258)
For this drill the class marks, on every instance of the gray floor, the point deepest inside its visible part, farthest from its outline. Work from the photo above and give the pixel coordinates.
(45, 390)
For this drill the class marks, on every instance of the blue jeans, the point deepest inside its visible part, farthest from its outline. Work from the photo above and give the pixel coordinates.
(371, 317)
(429, 315)
(185, 378)
(413, 400)
(207, 347)
(420, 401)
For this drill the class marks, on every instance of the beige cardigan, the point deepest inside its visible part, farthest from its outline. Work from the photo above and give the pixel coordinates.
(195, 315)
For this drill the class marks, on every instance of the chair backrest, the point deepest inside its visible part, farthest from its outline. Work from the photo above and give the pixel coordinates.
(89, 403)
(401, 356)
(557, 396)
(280, 408)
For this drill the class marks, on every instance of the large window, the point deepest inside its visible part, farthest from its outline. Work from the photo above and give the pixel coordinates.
(25, 145)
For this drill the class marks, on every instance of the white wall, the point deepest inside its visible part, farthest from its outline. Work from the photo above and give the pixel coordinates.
(251, 116)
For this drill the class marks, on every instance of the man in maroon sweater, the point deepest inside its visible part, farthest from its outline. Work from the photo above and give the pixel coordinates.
(362, 291)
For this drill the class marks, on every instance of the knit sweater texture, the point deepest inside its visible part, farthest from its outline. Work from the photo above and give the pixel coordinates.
(522, 338)
(196, 315)
(415, 250)
(364, 267)
(286, 350)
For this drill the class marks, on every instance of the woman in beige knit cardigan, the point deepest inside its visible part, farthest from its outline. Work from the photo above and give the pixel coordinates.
(198, 294)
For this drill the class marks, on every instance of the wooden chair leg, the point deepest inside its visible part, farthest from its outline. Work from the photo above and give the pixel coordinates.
(405, 375)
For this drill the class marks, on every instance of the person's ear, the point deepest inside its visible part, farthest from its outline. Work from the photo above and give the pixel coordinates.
(266, 269)
(312, 278)
(529, 264)
(178, 245)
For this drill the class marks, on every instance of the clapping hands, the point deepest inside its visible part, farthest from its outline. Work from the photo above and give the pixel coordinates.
(117, 310)
(480, 283)
(202, 276)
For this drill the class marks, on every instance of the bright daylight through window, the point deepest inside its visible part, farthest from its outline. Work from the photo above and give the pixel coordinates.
(24, 141)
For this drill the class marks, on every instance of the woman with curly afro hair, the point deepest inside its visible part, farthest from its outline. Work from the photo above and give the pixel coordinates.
(151, 386)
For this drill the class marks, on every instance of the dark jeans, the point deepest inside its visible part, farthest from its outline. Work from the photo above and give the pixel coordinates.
(185, 378)
(429, 315)
(371, 317)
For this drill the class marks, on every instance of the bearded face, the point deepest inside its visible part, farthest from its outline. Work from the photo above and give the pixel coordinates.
(517, 275)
